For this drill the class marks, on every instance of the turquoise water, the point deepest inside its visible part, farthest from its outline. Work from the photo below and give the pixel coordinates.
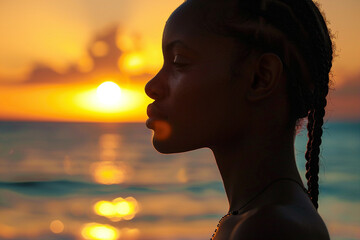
(58, 172)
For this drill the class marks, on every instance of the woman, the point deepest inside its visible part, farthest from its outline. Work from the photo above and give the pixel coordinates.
(238, 77)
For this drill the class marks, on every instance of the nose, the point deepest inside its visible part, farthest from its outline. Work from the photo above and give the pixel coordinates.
(156, 88)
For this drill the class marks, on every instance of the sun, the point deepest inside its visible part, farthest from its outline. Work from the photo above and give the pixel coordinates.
(108, 94)
(111, 100)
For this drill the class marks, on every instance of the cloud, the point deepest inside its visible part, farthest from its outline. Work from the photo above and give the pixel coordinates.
(100, 61)
(97, 61)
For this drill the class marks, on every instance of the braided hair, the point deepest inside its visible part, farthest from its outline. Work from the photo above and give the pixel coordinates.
(297, 32)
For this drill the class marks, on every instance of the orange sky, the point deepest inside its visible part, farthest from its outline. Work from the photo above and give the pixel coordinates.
(54, 54)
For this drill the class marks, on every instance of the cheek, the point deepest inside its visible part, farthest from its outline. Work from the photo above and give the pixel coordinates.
(200, 105)
(193, 95)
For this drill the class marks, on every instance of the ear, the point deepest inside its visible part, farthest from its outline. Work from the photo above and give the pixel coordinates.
(267, 74)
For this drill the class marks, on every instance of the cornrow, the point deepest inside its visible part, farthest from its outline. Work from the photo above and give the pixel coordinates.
(323, 49)
(304, 39)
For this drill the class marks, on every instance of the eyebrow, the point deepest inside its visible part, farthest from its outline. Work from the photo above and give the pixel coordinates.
(175, 43)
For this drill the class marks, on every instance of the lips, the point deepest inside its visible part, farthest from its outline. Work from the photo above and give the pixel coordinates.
(154, 114)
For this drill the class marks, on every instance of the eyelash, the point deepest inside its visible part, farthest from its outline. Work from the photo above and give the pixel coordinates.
(177, 64)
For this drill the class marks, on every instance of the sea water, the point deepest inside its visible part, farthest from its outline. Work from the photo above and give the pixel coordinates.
(105, 181)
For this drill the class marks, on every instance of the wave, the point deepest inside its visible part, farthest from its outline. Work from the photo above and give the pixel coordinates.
(58, 188)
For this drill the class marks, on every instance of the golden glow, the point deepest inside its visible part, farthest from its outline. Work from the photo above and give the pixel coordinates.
(107, 172)
(117, 209)
(162, 130)
(132, 63)
(56, 226)
(100, 48)
(109, 94)
(95, 231)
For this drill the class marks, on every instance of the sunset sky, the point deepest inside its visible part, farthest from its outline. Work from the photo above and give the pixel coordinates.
(55, 54)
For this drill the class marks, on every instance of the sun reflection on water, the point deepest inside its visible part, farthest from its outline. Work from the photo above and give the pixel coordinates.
(118, 209)
(109, 170)
(95, 231)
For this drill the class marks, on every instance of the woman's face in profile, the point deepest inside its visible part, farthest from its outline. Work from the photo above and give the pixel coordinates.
(196, 103)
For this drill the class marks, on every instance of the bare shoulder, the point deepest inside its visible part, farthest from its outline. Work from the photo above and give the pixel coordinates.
(280, 222)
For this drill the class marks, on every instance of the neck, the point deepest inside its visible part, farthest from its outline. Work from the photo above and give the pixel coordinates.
(246, 167)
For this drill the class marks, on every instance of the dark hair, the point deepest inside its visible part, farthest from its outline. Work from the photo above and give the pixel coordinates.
(297, 32)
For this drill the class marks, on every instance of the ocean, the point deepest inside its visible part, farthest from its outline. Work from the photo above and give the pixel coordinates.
(67, 181)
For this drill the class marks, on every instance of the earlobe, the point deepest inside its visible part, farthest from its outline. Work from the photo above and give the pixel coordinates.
(266, 78)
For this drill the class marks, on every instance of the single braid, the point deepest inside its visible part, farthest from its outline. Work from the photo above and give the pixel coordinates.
(317, 114)
(312, 165)
(310, 126)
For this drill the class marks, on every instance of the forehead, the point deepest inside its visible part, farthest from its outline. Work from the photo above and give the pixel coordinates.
(186, 21)
(187, 24)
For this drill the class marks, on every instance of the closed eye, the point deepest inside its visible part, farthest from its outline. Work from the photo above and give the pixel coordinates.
(180, 61)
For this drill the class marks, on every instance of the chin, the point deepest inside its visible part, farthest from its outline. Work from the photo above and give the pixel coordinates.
(168, 147)
(167, 139)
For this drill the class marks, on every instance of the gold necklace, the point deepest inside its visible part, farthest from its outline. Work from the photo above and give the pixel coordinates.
(236, 212)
